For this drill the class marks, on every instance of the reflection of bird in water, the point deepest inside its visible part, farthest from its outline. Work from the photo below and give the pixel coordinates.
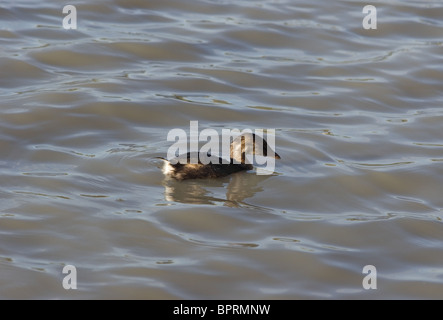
(240, 188)
(229, 191)
(203, 192)
(246, 144)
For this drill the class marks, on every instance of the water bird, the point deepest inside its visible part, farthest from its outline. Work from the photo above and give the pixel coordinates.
(243, 145)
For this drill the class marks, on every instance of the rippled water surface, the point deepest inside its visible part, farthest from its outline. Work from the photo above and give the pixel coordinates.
(358, 124)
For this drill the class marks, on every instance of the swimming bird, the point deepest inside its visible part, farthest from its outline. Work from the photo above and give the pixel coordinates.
(243, 145)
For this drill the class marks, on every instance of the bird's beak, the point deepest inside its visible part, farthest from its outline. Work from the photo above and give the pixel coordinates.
(277, 156)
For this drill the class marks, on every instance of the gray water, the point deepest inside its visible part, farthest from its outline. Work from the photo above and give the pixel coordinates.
(358, 124)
